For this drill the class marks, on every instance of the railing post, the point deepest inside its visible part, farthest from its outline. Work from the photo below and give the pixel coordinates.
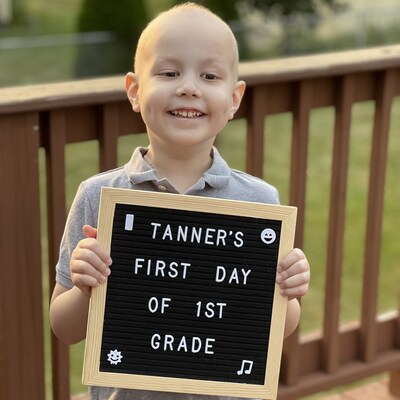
(394, 376)
(255, 131)
(385, 84)
(21, 302)
(340, 161)
(53, 126)
(109, 137)
(299, 154)
(302, 102)
(394, 383)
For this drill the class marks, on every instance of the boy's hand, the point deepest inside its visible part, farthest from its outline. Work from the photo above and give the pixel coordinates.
(293, 274)
(89, 263)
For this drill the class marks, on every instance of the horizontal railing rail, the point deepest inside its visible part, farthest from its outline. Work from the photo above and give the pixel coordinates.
(51, 116)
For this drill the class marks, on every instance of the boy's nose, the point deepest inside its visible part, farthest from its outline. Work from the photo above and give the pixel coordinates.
(188, 88)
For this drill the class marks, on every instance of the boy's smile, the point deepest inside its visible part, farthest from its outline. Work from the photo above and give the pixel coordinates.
(186, 113)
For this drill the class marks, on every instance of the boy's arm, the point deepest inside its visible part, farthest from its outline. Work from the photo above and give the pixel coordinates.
(68, 314)
(292, 317)
(89, 266)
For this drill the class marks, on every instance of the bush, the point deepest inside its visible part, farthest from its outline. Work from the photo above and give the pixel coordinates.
(126, 19)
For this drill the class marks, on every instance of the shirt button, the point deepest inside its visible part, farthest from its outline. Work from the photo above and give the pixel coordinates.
(162, 188)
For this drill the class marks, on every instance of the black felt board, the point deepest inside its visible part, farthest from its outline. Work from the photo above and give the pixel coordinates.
(237, 324)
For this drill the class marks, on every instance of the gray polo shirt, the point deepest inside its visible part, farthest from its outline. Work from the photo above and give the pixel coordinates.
(218, 182)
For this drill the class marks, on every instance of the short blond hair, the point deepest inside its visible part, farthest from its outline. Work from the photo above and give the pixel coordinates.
(189, 8)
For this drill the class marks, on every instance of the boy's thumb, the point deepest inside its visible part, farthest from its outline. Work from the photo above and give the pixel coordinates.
(89, 231)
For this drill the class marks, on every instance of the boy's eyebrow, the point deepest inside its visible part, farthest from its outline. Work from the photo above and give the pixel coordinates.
(171, 59)
(160, 58)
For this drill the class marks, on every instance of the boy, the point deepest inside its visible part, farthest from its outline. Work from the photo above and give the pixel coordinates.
(185, 87)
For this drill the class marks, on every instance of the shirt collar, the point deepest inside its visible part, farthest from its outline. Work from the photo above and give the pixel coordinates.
(138, 170)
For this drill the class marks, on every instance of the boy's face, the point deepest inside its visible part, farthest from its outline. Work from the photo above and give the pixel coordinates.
(186, 88)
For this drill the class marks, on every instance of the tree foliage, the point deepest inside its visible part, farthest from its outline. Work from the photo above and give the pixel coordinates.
(126, 19)
(288, 7)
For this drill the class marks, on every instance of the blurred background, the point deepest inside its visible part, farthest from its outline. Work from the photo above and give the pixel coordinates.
(42, 41)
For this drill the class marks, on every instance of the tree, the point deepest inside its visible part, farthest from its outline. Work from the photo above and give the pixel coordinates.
(125, 19)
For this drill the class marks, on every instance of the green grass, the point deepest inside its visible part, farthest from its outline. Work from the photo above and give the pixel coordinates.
(82, 162)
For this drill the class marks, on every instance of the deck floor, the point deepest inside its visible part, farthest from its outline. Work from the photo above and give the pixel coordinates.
(373, 391)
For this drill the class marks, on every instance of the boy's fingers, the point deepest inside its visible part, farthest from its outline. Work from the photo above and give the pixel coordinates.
(84, 269)
(90, 250)
(88, 257)
(81, 280)
(89, 231)
(84, 282)
(89, 263)
(298, 291)
(294, 281)
(299, 267)
(292, 258)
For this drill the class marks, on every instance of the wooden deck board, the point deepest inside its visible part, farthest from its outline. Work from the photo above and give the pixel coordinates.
(373, 391)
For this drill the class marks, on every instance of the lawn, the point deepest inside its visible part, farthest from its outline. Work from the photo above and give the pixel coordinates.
(82, 161)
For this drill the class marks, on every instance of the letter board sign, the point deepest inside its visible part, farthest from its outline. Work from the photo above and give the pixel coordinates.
(191, 305)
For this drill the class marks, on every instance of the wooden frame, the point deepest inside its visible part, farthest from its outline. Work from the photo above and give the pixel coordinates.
(92, 375)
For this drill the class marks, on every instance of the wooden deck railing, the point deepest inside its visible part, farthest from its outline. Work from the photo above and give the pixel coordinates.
(51, 116)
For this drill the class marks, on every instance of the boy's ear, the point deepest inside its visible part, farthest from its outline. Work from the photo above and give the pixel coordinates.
(237, 95)
(132, 90)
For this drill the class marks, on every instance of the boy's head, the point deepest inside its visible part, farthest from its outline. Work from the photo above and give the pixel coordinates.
(187, 16)
(185, 82)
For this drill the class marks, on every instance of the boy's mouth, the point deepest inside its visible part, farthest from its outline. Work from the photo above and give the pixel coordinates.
(186, 113)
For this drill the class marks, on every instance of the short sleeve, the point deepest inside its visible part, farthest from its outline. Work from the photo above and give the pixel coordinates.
(79, 215)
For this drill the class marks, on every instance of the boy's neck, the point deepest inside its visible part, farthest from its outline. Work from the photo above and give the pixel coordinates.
(181, 170)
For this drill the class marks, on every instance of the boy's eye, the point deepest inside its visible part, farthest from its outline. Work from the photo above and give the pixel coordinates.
(169, 74)
(209, 76)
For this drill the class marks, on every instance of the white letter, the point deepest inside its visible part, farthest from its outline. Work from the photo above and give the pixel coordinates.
(196, 344)
(221, 235)
(210, 310)
(209, 236)
(221, 307)
(164, 304)
(138, 265)
(182, 233)
(155, 225)
(245, 275)
(183, 344)
(155, 344)
(185, 265)
(173, 272)
(209, 346)
(167, 232)
(153, 308)
(198, 304)
(196, 235)
(217, 275)
(160, 265)
(148, 267)
(234, 276)
(239, 241)
(169, 339)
